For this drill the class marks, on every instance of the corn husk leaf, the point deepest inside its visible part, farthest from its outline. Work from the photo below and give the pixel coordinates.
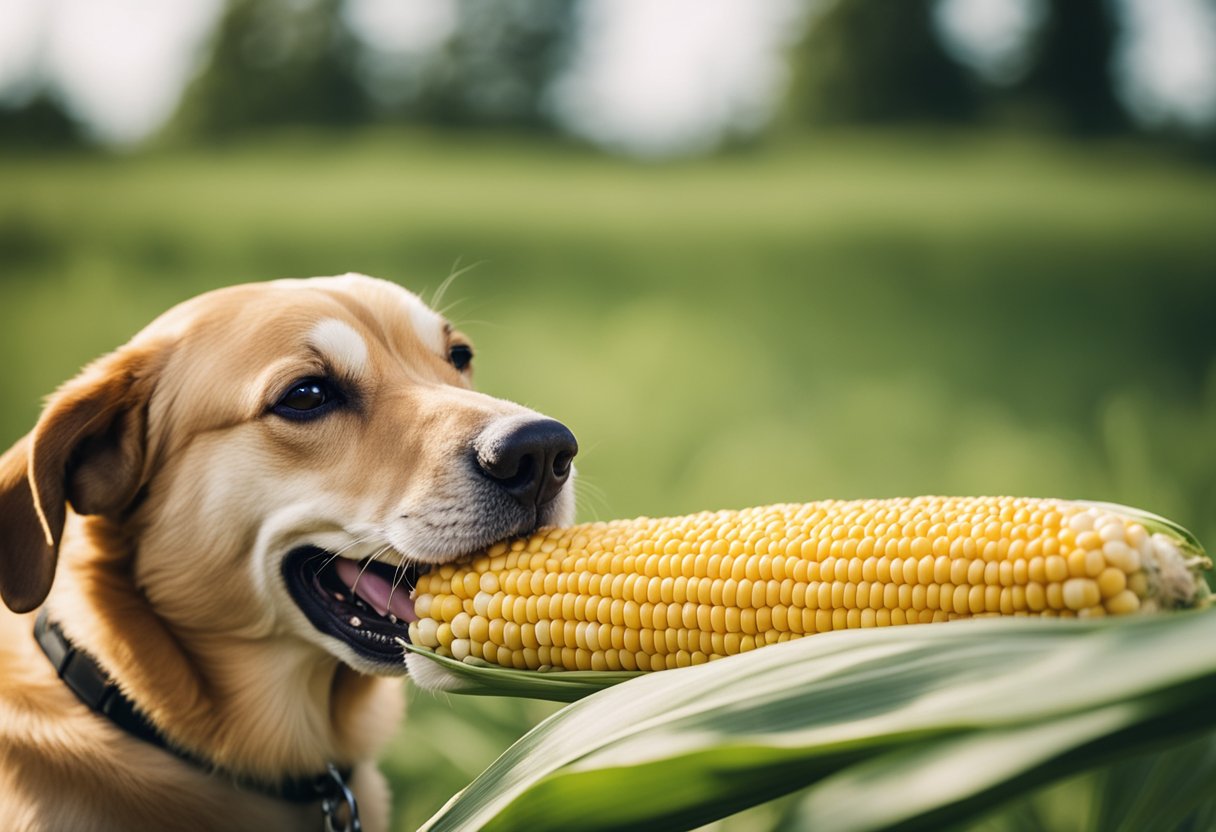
(475, 677)
(897, 727)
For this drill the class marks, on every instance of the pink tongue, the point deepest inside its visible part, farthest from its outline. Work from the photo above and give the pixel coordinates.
(376, 591)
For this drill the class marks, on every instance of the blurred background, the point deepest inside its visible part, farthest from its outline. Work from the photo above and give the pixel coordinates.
(749, 252)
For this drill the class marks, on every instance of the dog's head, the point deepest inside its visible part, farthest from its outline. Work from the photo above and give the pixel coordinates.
(275, 459)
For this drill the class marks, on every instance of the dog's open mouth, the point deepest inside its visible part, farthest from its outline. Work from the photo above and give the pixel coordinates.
(365, 604)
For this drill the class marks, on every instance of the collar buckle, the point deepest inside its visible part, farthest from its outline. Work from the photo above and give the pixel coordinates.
(338, 804)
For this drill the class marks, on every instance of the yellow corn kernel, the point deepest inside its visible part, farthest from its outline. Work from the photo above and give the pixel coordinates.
(659, 593)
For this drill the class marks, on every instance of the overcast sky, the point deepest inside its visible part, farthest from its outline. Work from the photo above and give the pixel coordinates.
(650, 76)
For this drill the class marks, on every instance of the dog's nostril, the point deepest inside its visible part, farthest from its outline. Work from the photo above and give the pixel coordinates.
(530, 461)
(518, 475)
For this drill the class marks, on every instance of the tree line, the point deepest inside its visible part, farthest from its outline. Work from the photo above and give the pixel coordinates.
(277, 63)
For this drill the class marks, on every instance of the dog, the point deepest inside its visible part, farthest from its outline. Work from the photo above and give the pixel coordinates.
(214, 530)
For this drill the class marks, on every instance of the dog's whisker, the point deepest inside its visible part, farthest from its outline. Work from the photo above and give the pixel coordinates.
(367, 563)
(585, 483)
(398, 576)
(335, 555)
(447, 310)
(457, 271)
(441, 290)
(338, 553)
(590, 496)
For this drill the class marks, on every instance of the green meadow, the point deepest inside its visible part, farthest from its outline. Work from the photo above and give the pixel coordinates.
(844, 315)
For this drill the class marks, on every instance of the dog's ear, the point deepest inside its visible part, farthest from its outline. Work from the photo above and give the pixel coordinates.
(27, 561)
(88, 449)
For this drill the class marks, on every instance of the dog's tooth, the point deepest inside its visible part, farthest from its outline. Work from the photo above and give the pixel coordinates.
(355, 621)
(338, 596)
(392, 618)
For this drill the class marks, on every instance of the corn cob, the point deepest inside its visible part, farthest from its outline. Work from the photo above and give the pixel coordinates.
(649, 594)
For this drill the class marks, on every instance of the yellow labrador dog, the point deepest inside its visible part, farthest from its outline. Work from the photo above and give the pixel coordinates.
(206, 549)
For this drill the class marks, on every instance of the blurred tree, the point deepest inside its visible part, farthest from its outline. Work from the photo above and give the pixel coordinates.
(497, 67)
(1070, 71)
(882, 60)
(39, 123)
(878, 61)
(283, 62)
(275, 62)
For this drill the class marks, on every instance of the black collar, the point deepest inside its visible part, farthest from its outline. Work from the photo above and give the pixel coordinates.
(93, 686)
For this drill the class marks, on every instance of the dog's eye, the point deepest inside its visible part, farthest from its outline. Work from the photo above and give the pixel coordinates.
(307, 398)
(461, 355)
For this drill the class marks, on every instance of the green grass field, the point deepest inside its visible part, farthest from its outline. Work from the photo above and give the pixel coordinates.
(842, 316)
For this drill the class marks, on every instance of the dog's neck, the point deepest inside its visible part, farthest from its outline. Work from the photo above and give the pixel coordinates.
(263, 708)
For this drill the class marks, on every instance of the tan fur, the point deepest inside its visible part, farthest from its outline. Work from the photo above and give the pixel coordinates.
(185, 493)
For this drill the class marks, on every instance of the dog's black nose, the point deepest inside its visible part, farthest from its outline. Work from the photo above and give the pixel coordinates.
(531, 461)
